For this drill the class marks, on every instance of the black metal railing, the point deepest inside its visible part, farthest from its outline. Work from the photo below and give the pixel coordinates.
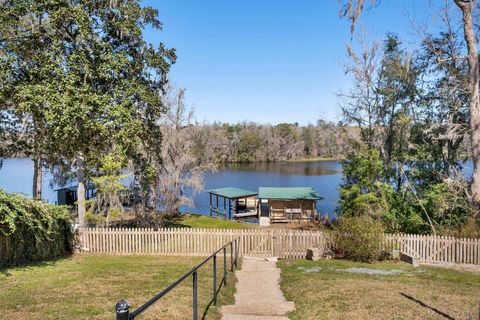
(122, 307)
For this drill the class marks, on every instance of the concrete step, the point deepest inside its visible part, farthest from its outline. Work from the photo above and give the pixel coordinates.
(258, 294)
(270, 274)
(257, 300)
(252, 257)
(263, 289)
(259, 309)
(258, 265)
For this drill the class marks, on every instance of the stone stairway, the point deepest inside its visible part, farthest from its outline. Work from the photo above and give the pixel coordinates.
(258, 294)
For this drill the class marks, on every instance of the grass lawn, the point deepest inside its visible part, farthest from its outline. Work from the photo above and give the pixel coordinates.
(87, 287)
(321, 290)
(198, 221)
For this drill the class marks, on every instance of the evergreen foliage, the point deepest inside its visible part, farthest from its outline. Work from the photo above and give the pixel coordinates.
(110, 191)
(83, 77)
(405, 170)
(31, 230)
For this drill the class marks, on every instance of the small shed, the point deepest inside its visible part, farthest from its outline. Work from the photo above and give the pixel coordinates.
(241, 203)
(287, 204)
(68, 195)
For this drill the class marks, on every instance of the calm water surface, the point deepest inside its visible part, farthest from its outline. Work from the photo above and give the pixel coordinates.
(324, 176)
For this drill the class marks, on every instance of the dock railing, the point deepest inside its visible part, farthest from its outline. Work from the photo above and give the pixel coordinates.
(122, 307)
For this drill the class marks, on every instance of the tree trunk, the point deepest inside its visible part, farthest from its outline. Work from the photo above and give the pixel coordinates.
(467, 7)
(37, 179)
(81, 201)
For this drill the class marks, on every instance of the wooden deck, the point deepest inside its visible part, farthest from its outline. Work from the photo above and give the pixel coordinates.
(295, 210)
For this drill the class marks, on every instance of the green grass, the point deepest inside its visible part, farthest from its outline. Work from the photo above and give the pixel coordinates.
(87, 287)
(198, 221)
(417, 293)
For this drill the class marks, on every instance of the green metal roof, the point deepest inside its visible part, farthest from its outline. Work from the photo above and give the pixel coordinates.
(232, 193)
(304, 193)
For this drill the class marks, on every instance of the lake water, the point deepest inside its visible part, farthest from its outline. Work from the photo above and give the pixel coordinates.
(324, 176)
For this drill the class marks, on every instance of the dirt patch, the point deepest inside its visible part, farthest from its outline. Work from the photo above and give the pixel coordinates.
(314, 269)
(373, 271)
(370, 271)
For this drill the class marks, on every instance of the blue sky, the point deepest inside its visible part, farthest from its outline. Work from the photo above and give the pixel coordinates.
(268, 61)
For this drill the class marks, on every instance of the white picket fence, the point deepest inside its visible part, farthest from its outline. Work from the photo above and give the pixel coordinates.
(283, 243)
(439, 249)
(291, 244)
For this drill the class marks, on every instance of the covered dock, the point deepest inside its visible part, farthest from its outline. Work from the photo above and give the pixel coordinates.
(233, 203)
(288, 204)
(68, 195)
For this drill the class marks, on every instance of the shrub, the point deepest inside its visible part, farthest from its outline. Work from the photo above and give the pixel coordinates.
(32, 230)
(359, 238)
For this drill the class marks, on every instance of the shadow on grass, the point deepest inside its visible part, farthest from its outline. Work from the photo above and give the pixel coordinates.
(174, 222)
(423, 304)
(166, 221)
(6, 270)
(211, 302)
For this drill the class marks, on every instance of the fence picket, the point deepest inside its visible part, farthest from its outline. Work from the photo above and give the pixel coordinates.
(288, 244)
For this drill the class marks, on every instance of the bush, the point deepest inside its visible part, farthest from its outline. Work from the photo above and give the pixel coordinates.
(359, 238)
(32, 230)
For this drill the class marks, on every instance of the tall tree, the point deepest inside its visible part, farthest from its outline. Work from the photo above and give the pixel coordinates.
(352, 9)
(106, 80)
(445, 109)
(467, 7)
(180, 174)
(381, 103)
(28, 53)
(361, 103)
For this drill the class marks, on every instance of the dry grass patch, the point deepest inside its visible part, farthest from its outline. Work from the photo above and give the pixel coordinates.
(87, 287)
(324, 290)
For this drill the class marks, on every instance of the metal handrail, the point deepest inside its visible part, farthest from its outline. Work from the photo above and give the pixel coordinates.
(122, 306)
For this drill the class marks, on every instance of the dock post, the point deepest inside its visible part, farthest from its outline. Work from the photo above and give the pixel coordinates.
(210, 204)
(224, 208)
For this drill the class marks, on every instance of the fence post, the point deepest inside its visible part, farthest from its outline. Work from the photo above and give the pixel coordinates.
(225, 266)
(215, 280)
(236, 253)
(121, 310)
(231, 256)
(195, 301)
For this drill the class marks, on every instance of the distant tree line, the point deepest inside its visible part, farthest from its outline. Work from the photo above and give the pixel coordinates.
(253, 142)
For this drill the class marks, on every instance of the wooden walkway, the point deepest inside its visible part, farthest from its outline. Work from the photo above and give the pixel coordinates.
(258, 294)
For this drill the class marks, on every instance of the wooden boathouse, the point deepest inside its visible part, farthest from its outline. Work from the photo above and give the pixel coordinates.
(268, 205)
(241, 203)
(288, 204)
